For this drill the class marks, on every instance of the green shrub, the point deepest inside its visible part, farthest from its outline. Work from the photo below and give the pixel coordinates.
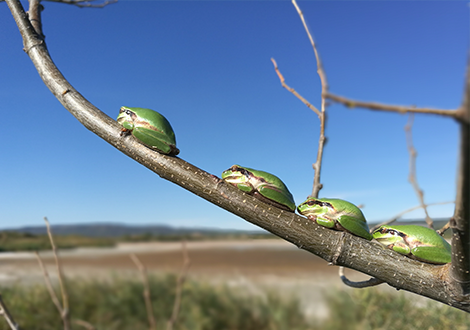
(119, 304)
(376, 309)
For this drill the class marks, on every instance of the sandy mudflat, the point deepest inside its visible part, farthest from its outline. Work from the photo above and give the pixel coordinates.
(251, 265)
(253, 258)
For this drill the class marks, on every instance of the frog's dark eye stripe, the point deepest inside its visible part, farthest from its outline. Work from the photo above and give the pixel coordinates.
(385, 230)
(392, 232)
(400, 233)
(319, 203)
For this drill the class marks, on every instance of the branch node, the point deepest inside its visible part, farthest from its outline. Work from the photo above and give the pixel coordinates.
(339, 248)
(39, 42)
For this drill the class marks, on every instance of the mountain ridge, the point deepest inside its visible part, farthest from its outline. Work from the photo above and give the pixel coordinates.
(121, 229)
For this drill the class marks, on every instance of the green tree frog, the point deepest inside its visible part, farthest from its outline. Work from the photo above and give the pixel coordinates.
(263, 185)
(336, 214)
(150, 128)
(416, 242)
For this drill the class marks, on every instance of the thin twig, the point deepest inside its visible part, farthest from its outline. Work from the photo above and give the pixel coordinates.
(359, 285)
(49, 287)
(391, 108)
(317, 185)
(84, 324)
(443, 229)
(65, 299)
(85, 3)
(412, 176)
(293, 91)
(399, 215)
(146, 292)
(320, 70)
(6, 314)
(179, 287)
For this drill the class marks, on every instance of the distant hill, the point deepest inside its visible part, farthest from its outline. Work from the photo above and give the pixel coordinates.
(35, 238)
(118, 230)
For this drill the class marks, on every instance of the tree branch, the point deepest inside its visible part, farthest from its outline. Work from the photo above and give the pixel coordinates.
(34, 13)
(460, 223)
(391, 108)
(365, 256)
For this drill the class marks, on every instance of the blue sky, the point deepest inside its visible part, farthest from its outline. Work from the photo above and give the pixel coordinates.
(206, 66)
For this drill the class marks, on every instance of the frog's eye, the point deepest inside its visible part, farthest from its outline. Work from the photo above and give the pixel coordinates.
(244, 172)
(313, 202)
(129, 112)
(394, 233)
(387, 231)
